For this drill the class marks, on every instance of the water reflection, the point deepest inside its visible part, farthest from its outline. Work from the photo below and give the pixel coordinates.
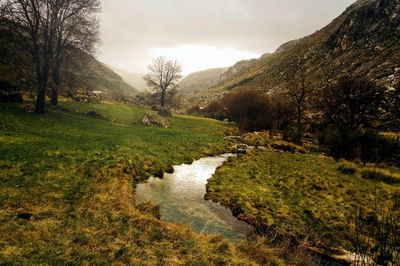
(181, 199)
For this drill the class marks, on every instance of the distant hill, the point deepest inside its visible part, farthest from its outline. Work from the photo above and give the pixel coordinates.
(133, 79)
(199, 81)
(363, 41)
(81, 73)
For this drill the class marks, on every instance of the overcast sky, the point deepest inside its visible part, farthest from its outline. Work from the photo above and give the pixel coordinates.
(203, 34)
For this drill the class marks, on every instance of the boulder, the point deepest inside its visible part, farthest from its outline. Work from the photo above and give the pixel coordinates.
(240, 148)
(155, 120)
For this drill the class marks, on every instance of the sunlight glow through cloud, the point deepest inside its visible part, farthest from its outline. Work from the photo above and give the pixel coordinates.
(200, 57)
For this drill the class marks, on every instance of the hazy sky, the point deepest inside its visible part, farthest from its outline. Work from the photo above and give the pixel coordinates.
(203, 34)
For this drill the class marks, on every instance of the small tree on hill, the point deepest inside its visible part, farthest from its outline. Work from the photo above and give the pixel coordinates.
(298, 91)
(164, 74)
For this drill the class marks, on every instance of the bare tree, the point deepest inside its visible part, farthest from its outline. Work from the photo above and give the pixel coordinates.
(164, 74)
(45, 25)
(77, 26)
(352, 102)
(298, 91)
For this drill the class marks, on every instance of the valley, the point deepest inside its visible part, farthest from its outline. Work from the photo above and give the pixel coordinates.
(291, 158)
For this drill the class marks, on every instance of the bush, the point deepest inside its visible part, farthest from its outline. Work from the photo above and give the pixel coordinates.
(249, 109)
(214, 110)
(194, 110)
(367, 145)
(340, 141)
(381, 175)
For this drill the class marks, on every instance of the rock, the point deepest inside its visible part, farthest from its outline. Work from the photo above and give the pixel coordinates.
(236, 139)
(155, 120)
(240, 148)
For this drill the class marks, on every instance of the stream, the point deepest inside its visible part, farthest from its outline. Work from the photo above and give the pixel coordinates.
(180, 197)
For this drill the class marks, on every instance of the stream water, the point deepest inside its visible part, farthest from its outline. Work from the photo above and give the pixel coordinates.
(180, 197)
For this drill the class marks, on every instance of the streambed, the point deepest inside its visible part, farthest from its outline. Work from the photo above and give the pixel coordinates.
(180, 197)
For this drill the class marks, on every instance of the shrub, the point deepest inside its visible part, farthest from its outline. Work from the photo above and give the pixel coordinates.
(214, 110)
(249, 109)
(367, 145)
(340, 141)
(380, 175)
(194, 110)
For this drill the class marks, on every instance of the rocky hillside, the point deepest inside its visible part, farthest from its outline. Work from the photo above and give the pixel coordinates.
(198, 81)
(363, 41)
(82, 75)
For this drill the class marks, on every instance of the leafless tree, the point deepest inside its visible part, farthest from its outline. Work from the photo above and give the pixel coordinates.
(164, 74)
(47, 26)
(352, 102)
(77, 26)
(298, 90)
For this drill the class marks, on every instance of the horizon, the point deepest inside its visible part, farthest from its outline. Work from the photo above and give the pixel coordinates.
(203, 36)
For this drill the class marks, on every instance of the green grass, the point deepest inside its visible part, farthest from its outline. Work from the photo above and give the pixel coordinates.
(300, 194)
(75, 175)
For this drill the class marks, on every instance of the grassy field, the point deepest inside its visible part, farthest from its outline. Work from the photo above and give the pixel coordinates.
(67, 183)
(301, 195)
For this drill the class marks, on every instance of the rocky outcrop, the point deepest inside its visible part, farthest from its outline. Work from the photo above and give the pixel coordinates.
(155, 120)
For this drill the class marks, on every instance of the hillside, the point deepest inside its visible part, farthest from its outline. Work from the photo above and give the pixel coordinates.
(198, 81)
(134, 79)
(81, 74)
(362, 41)
(92, 75)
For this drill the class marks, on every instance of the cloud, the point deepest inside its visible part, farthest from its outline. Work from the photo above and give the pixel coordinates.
(133, 29)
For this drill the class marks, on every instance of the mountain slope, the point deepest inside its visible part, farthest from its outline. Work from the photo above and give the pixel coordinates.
(93, 75)
(134, 79)
(362, 41)
(198, 81)
(81, 73)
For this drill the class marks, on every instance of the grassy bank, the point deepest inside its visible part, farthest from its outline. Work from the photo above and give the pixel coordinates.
(301, 195)
(66, 190)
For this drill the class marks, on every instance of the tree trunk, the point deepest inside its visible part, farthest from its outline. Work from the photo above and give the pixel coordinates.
(56, 80)
(41, 91)
(40, 99)
(298, 115)
(162, 97)
(42, 86)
